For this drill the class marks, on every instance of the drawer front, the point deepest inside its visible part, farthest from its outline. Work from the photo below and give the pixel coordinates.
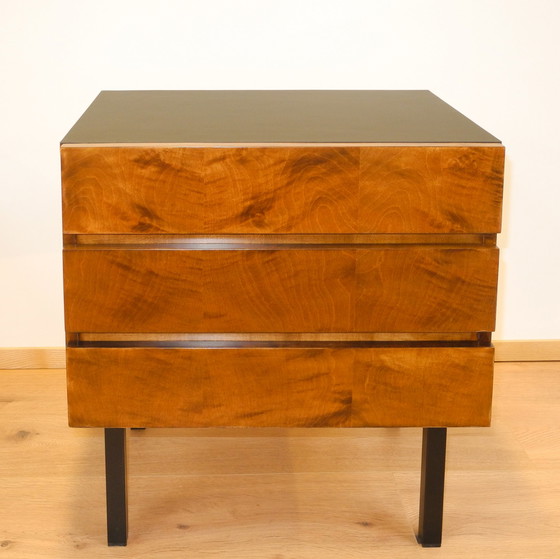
(272, 387)
(387, 189)
(400, 289)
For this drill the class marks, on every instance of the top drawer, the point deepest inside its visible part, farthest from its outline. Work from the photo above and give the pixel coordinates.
(260, 190)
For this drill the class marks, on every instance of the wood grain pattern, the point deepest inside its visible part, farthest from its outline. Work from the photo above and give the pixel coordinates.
(432, 190)
(294, 190)
(427, 289)
(282, 190)
(421, 289)
(298, 387)
(419, 387)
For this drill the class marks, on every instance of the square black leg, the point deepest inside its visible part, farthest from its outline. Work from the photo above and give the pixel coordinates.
(431, 487)
(115, 476)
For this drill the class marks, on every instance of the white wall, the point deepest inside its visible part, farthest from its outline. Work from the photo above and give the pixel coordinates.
(497, 61)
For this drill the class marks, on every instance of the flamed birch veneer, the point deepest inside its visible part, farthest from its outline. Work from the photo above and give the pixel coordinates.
(280, 258)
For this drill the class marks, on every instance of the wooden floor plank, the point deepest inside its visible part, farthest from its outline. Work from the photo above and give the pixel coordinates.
(281, 493)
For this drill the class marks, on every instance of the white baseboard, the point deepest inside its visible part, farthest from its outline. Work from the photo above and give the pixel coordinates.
(32, 358)
(527, 350)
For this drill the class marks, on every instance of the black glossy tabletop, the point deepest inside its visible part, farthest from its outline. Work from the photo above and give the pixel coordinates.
(224, 117)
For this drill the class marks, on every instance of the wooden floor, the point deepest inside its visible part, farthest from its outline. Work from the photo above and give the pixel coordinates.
(281, 494)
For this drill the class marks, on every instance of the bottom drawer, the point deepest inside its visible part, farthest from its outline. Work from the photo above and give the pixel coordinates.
(280, 387)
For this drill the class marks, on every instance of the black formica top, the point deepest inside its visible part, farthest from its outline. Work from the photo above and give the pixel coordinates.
(238, 117)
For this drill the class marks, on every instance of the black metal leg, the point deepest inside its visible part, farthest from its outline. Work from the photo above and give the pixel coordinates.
(431, 488)
(115, 476)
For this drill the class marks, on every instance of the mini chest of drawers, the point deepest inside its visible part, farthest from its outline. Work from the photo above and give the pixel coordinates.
(279, 258)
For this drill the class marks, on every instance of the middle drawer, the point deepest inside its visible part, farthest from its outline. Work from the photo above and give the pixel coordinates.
(379, 289)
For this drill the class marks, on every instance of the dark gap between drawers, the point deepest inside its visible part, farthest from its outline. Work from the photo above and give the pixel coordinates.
(482, 340)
